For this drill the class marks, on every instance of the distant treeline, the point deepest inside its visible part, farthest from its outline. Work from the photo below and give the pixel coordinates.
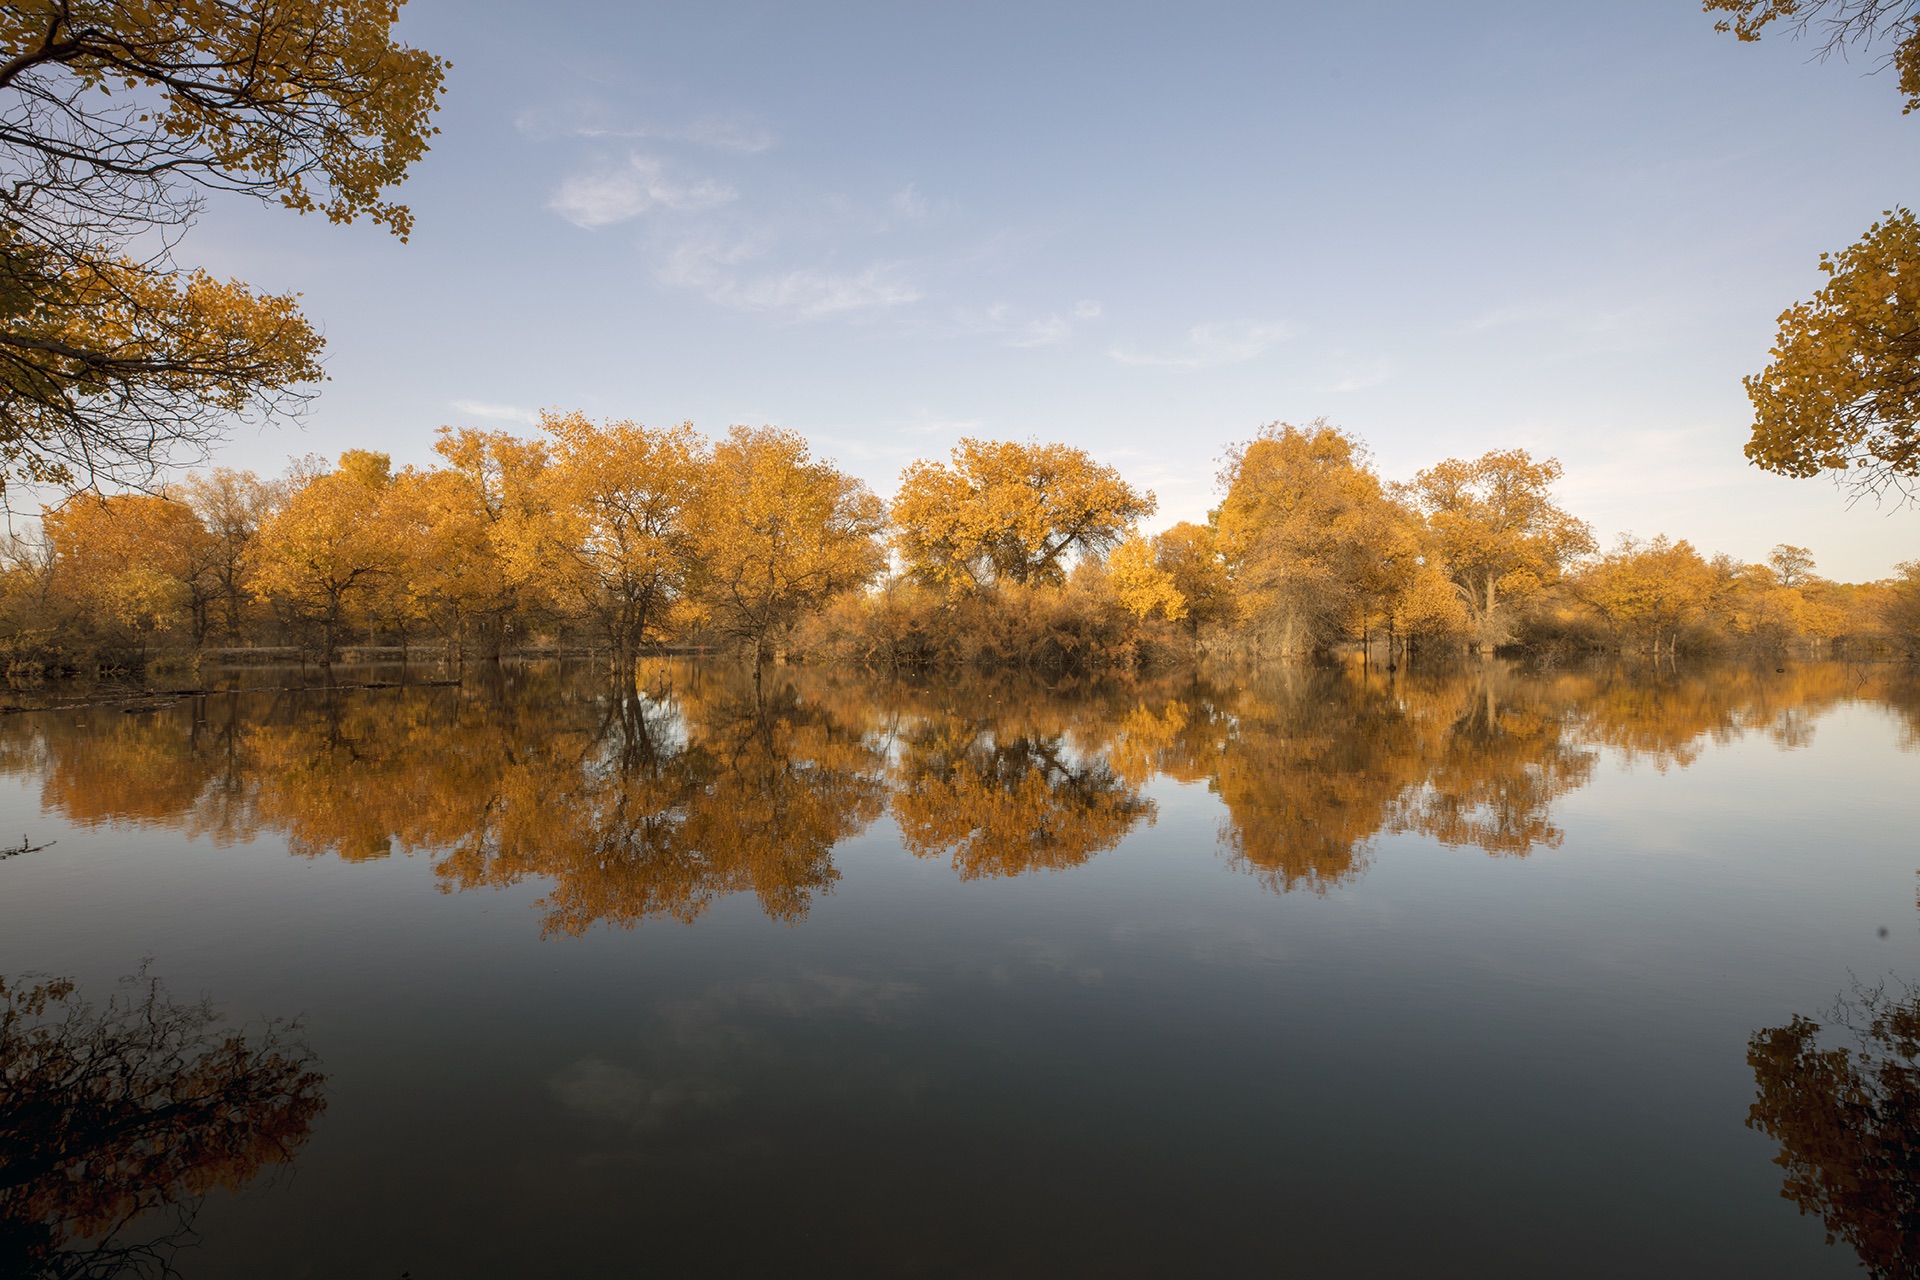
(619, 538)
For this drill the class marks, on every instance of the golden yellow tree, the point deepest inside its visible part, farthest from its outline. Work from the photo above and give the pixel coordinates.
(777, 532)
(1189, 553)
(1498, 530)
(608, 527)
(114, 118)
(1842, 392)
(326, 547)
(452, 574)
(1308, 532)
(1901, 612)
(1650, 592)
(1007, 512)
(231, 504)
(1144, 587)
(130, 557)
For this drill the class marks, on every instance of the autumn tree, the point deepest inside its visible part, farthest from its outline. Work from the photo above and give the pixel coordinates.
(1144, 587)
(1842, 25)
(115, 118)
(1305, 528)
(326, 547)
(1842, 390)
(1003, 512)
(1498, 531)
(1792, 566)
(502, 508)
(609, 528)
(1842, 393)
(132, 558)
(1650, 592)
(231, 506)
(1189, 554)
(777, 532)
(1902, 609)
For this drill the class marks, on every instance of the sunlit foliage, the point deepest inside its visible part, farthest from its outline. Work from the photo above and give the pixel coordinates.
(607, 522)
(1842, 392)
(1841, 25)
(620, 539)
(1310, 534)
(1003, 512)
(115, 117)
(1495, 526)
(778, 533)
(323, 552)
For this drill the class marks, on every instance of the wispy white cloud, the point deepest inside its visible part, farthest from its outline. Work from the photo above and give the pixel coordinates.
(496, 412)
(908, 203)
(1209, 346)
(1086, 309)
(810, 293)
(718, 132)
(1358, 375)
(1029, 331)
(725, 134)
(715, 267)
(614, 195)
(1046, 332)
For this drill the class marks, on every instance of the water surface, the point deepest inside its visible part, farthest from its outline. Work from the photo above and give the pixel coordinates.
(1304, 971)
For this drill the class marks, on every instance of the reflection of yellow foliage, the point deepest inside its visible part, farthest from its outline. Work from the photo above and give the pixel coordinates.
(111, 1113)
(1004, 796)
(658, 801)
(1845, 1115)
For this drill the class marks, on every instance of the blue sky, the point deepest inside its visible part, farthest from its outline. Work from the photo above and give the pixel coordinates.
(1141, 229)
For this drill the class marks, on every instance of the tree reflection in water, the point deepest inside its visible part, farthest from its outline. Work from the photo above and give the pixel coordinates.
(115, 1122)
(698, 782)
(1010, 784)
(1843, 1102)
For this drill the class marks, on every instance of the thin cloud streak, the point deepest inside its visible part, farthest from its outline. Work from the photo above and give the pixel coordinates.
(1209, 346)
(496, 412)
(719, 133)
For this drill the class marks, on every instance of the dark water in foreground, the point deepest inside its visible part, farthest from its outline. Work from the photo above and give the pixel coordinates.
(1314, 973)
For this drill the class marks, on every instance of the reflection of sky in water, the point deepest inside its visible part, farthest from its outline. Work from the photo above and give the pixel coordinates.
(991, 980)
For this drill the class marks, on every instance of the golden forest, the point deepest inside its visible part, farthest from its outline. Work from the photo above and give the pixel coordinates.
(617, 539)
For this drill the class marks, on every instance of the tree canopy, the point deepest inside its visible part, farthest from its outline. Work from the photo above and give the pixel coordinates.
(116, 117)
(1002, 511)
(1842, 392)
(1842, 25)
(1498, 530)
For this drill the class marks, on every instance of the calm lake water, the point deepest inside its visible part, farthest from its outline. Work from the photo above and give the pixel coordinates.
(1305, 972)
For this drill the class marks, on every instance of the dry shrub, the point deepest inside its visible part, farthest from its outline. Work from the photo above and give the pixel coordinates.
(903, 626)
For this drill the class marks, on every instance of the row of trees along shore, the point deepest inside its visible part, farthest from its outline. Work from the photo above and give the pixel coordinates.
(618, 539)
